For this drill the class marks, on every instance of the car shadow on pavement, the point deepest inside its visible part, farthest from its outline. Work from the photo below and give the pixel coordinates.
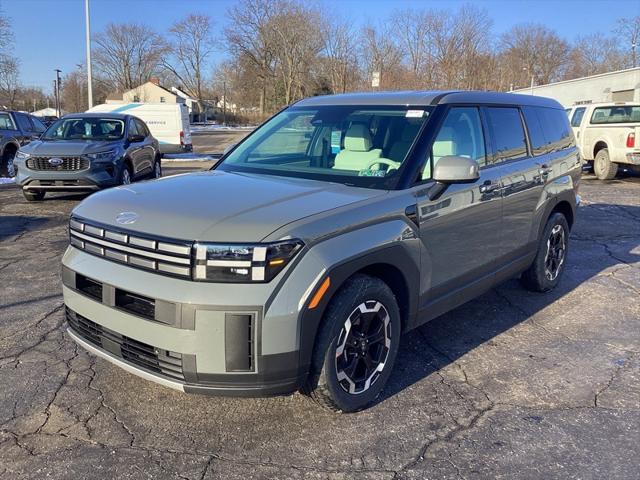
(17, 225)
(599, 242)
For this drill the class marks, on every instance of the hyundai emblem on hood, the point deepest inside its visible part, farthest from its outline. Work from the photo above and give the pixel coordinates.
(126, 218)
(55, 161)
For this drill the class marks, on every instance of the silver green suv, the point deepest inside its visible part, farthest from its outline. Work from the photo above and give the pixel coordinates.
(343, 221)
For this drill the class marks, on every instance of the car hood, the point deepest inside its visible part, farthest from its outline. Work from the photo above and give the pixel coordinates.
(218, 206)
(66, 147)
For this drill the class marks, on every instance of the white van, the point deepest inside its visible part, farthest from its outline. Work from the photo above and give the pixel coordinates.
(168, 122)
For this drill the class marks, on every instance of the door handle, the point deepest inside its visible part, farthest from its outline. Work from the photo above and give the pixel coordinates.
(545, 170)
(490, 187)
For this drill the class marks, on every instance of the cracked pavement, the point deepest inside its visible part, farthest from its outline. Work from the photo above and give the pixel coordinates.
(511, 385)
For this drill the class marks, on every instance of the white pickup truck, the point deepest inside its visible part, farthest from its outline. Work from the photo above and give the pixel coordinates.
(608, 135)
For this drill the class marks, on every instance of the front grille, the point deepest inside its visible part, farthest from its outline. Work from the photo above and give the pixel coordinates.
(147, 357)
(159, 255)
(68, 164)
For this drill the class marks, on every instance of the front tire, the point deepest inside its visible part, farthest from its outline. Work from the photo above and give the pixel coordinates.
(603, 167)
(125, 175)
(356, 346)
(34, 195)
(547, 268)
(157, 169)
(7, 167)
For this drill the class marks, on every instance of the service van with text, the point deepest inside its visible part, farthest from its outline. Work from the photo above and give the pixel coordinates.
(168, 122)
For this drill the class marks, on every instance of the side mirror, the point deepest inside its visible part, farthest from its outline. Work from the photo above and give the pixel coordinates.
(136, 138)
(453, 169)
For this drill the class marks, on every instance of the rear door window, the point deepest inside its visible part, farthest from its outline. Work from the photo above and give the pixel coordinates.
(576, 120)
(616, 114)
(141, 127)
(23, 122)
(508, 133)
(38, 126)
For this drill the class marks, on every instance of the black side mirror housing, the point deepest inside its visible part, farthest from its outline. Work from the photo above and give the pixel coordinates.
(136, 138)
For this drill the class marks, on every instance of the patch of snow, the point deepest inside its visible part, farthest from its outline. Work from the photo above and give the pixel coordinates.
(195, 128)
(5, 180)
(189, 157)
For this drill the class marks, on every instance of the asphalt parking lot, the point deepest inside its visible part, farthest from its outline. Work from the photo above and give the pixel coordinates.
(511, 385)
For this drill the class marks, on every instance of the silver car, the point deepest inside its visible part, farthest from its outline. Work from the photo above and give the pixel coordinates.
(342, 222)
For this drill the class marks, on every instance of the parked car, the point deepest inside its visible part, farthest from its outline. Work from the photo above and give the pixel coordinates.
(168, 122)
(16, 129)
(87, 151)
(608, 135)
(339, 224)
(48, 119)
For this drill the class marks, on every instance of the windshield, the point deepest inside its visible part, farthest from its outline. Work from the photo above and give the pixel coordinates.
(85, 129)
(353, 145)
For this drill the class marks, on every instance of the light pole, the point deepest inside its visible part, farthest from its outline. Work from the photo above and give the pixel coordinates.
(633, 54)
(88, 39)
(526, 69)
(224, 102)
(56, 84)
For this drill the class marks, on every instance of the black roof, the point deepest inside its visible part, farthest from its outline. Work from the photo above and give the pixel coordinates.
(433, 97)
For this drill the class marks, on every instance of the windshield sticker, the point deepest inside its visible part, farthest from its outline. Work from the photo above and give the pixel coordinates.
(335, 141)
(415, 113)
(372, 173)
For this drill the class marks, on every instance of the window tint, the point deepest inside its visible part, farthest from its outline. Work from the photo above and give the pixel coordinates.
(616, 114)
(141, 127)
(508, 134)
(133, 129)
(576, 120)
(38, 126)
(6, 122)
(555, 126)
(536, 134)
(460, 135)
(23, 122)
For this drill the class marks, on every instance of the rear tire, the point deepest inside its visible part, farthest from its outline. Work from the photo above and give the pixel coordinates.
(603, 167)
(157, 169)
(547, 268)
(34, 195)
(356, 346)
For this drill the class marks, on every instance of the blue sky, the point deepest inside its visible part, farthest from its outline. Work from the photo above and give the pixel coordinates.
(49, 34)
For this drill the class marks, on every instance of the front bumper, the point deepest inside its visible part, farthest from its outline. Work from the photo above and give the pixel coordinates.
(98, 175)
(236, 340)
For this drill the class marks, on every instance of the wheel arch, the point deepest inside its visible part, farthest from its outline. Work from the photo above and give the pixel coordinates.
(392, 264)
(599, 145)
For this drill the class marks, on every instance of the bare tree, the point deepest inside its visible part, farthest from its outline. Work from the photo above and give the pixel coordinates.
(534, 50)
(381, 54)
(128, 55)
(9, 65)
(593, 54)
(74, 91)
(249, 37)
(628, 30)
(192, 44)
(339, 48)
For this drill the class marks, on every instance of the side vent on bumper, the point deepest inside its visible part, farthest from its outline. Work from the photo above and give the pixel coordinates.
(239, 342)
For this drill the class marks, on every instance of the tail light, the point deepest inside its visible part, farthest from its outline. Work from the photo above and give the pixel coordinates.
(631, 140)
(182, 138)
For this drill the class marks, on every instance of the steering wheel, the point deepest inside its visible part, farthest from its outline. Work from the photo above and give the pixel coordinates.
(385, 161)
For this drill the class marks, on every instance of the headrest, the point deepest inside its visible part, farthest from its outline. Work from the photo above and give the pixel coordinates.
(358, 138)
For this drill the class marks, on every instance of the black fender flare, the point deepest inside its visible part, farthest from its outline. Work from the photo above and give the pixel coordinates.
(311, 320)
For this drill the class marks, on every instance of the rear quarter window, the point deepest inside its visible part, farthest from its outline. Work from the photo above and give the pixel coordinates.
(549, 129)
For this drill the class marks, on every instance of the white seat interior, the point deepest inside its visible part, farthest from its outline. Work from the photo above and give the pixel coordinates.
(357, 153)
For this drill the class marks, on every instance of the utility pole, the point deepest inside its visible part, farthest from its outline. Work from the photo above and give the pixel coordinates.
(88, 39)
(633, 54)
(57, 85)
(224, 102)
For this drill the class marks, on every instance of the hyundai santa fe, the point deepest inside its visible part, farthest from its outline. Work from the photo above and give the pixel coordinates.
(296, 263)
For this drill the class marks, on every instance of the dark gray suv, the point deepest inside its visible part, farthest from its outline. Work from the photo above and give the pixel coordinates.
(87, 151)
(339, 224)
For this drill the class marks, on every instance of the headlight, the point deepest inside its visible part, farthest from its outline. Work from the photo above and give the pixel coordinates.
(259, 262)
(103, 156)
(22, 155)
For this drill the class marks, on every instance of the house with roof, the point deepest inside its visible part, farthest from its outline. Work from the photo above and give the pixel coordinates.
(149, 92)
